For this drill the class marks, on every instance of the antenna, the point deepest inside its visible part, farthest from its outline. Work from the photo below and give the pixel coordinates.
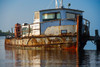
(56, 3)
(60, 3)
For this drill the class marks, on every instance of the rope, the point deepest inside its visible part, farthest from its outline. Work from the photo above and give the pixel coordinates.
(50, 4)
(93, 42)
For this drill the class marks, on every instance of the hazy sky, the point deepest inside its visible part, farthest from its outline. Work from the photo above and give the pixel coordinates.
(21, 11)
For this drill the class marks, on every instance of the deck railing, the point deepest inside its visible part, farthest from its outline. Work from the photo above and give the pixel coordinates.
(86, 25)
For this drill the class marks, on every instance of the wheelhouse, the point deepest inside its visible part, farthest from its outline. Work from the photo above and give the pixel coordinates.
(51, 19)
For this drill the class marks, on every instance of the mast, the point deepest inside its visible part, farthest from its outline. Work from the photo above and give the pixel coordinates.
(60, 3)
(56, 4)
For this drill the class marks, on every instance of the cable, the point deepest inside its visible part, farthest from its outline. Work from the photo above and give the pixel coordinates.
(50, 4)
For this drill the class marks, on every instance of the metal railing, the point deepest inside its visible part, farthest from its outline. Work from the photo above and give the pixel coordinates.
(86, 23)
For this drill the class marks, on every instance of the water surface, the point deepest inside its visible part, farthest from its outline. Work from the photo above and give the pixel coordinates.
(10, 57)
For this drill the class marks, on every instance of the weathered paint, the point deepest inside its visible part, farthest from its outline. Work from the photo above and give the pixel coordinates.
(56, 30)
(35, 29)
(39, 26)
(31, 29)
(81, 40)
(62, 11)
(49, 33)
(25, 30)
(17, 30)
(61, 42)
(62, 23)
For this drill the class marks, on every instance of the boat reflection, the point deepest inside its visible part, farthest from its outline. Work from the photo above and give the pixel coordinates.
(52, 58)
(42, 58)
(89, 58)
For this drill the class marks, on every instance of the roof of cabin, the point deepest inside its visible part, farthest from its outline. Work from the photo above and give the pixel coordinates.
(62, 9)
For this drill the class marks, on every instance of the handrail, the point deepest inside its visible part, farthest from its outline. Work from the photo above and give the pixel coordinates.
(87, 23)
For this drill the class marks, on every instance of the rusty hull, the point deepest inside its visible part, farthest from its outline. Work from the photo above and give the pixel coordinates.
(61, 41)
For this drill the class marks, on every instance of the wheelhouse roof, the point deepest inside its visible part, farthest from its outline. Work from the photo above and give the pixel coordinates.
(62, 9)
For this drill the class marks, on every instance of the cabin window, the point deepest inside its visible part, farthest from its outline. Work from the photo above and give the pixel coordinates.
(58, 16)
(63, 31)
(25, 30)
(71, 16)
(50, 16)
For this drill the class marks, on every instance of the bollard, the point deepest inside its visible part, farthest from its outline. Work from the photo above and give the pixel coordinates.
(79, 45)
(97, 41)
(96, 33)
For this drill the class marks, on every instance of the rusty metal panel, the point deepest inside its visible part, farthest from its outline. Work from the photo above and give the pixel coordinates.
(46, 41)
(56, 30)
(44, 26)
(17, 30)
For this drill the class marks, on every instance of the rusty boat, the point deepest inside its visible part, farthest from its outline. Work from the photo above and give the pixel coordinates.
(61, 28)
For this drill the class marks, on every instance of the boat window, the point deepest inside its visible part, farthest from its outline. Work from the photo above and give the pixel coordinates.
(63, 31)
(50, 16)
(71, 16)
(25, 30)
(58, 16)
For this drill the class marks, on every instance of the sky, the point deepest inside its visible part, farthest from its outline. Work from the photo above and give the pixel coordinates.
(22, 11)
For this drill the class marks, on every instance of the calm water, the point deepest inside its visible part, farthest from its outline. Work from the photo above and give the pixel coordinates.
(50, 58)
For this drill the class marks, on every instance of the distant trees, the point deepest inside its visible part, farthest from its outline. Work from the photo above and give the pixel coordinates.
(0, 31)
(5, 33)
